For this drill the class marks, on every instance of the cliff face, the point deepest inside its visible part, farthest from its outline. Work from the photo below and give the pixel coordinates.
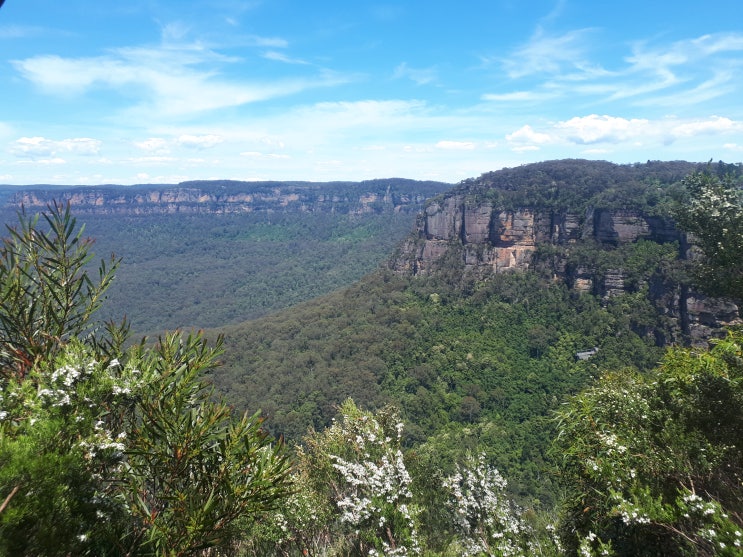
(499, 240)
(236, 197)
(486, 238)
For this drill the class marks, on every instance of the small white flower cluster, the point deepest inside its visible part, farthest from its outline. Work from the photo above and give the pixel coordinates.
(387, 551)
(697, 505)
(631, 513)
(709, 515)
(592, 546)
(610, 441)
(376, 487)
(103, 441)
(485, 518)
(81, 390)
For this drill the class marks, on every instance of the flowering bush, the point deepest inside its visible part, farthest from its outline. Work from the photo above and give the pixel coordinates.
(713, 213)
(486, 521)
(61, 444)
(351, 493)
(372, 483)
(652, 462)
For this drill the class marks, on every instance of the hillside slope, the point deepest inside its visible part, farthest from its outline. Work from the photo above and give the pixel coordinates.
(476, 357)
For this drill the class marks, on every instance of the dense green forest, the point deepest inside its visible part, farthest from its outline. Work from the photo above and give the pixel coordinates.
(204, 266)
(202, 271)
(458, 412)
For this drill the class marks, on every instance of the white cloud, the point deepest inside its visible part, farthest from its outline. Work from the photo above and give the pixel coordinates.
(713, 125)
(612, 130)
(258, 155)
(43, 147)
(154, 145)
(153, 158)
(601, 129)
(45, 162)
(526, 134)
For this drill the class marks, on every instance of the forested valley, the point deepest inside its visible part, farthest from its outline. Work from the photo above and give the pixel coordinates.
(548, 361)
(205, 254)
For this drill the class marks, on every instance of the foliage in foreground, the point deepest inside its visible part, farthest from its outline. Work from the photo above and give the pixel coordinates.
(653, 463)
(712, 213)
(106, 452)
(355, 496)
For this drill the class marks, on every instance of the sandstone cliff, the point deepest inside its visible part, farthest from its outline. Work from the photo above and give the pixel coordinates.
(229, 197)
(508, 234)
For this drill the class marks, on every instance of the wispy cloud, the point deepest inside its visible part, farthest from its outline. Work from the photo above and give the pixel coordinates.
(421, 76)
(163, 146)
(21, 31)
(681, 73)
(518, 96)
(259, 155)
(32, 147)
(199, 142)
(154, 145)
(265, 42)
(175, 82)
(281, 57)
(612, 130)
(44, 162)
(456, 145)
(550, 54)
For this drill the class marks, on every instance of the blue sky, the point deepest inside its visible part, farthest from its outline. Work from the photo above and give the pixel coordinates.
(160, 91)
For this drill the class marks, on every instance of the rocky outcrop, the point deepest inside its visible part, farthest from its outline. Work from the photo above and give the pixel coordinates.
(466, 228)
(498, 240)
(236, 197)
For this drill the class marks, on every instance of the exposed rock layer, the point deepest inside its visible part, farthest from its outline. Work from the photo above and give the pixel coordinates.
(484, 237)
(236, 197)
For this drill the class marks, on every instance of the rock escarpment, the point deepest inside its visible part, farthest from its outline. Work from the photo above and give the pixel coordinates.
(230, 197)
(498, 240)
(493, 225)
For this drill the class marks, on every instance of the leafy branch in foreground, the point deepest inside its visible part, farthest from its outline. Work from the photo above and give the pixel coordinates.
(653, 462)
(713, 213)
(192, 471)
(46, 294)
(104, 452)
